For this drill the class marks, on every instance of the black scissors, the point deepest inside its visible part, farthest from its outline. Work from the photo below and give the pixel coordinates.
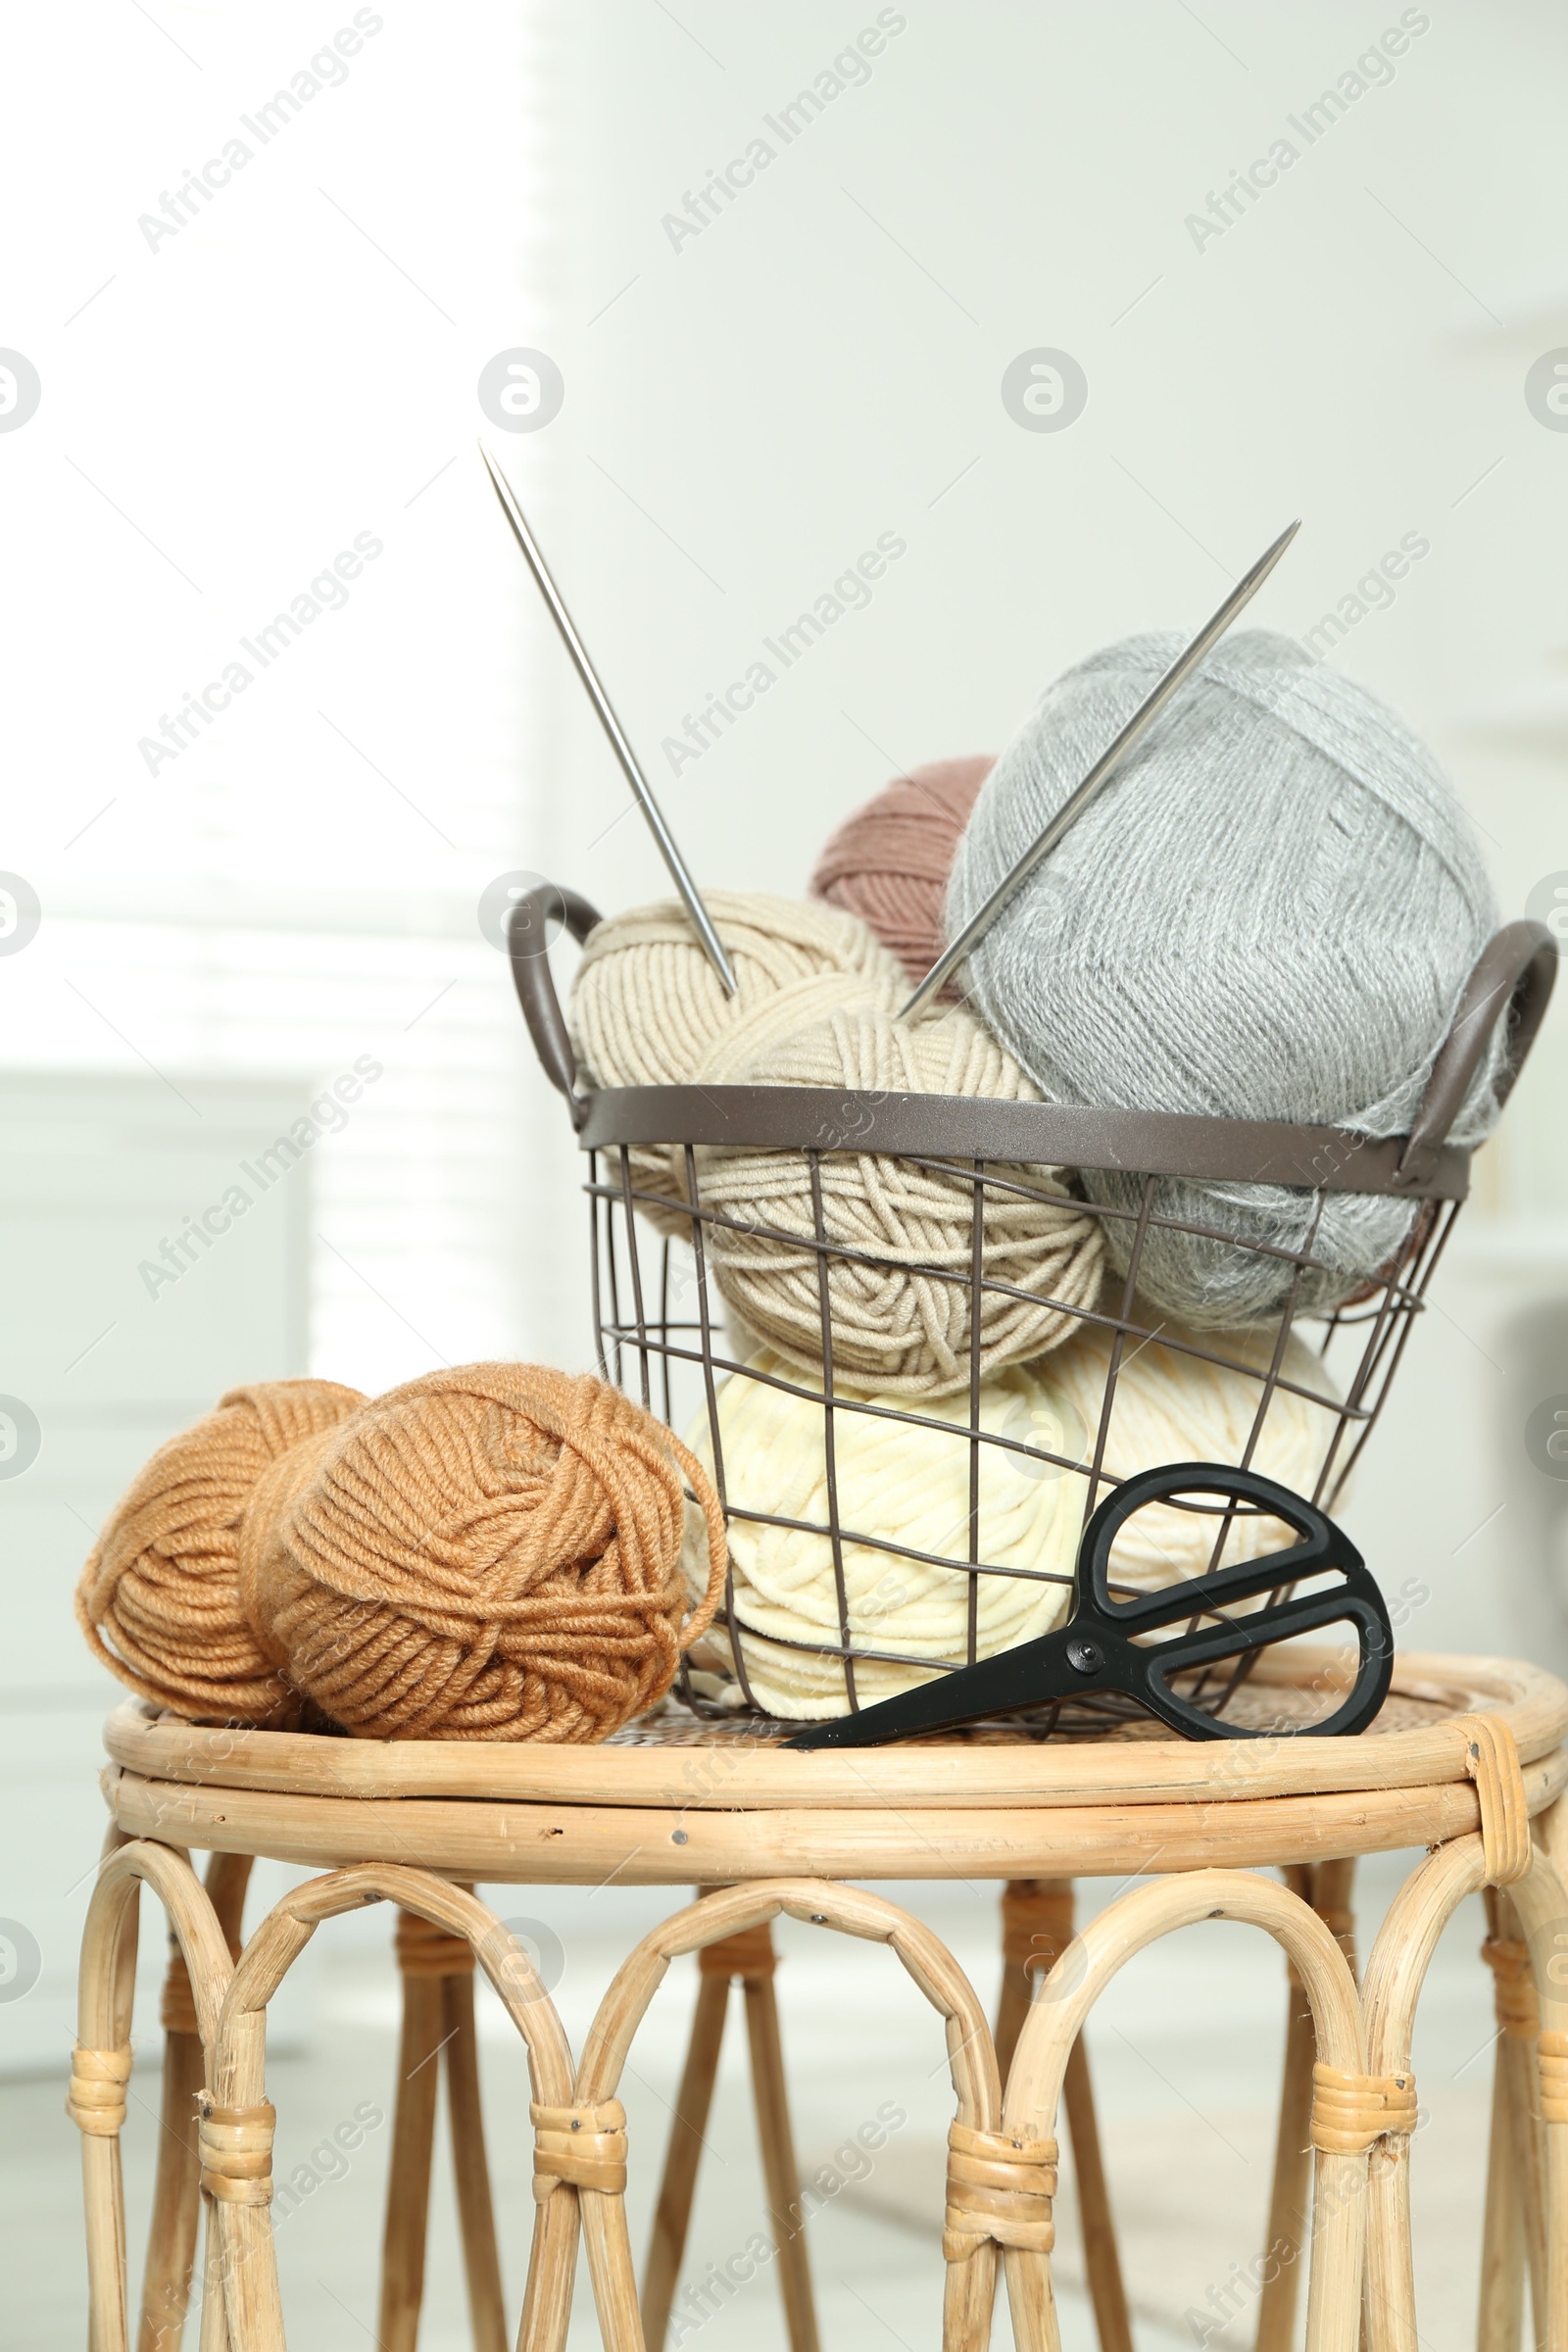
(1097, 1652)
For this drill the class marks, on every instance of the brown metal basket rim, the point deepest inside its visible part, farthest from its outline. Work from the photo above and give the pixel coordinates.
(1059, 1135)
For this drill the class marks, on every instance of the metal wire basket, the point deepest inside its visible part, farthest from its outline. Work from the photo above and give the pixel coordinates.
(658, 1321)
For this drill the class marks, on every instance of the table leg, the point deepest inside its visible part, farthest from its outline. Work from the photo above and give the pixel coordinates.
(437, 1972)
(750, 1957)
(779, 2168)
(408, 2197)
(213, 2333)
(1502, 2239)
(177, 2199)
(1530, 2173)
(1291, 2195)
(1101, 2258)
(101, 2062)
(481, 2260)
(1325, 1886)
(1035, 1928)
(674, 2212)
(1518, 2133)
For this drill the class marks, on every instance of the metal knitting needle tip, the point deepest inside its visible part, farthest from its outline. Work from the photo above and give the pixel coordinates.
(1101, 774)
(642, 793)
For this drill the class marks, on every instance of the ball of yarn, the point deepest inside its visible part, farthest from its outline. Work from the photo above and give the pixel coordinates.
(890, 862)
(487, 1553)
(1269, 914)
(648, 1009)
(1172, 1407)
(899, 1285)
(159, 1598)
(909, 1486)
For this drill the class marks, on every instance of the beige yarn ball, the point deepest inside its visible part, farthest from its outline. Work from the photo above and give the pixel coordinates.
(895, 1324)
(648, 1009)
(910, 1485)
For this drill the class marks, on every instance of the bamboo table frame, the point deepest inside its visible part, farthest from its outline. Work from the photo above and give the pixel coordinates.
(415, 1824)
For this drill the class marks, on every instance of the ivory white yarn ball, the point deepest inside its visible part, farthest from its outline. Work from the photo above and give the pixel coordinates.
(1171, 1406)
(1269, 914)
(910, 1485)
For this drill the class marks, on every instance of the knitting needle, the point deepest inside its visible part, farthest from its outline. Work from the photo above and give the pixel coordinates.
(679, 871)
(1101, 774)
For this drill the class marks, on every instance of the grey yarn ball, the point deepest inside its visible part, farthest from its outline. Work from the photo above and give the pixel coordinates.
(1269, 915)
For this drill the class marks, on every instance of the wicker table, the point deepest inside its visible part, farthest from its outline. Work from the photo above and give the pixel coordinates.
(1466, 1757)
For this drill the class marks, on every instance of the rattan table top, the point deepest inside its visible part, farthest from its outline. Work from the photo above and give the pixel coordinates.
(676, 1799)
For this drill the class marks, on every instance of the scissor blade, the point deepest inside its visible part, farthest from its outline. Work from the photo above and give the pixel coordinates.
(1104, 769)
(642, 791)
(1030, 1676)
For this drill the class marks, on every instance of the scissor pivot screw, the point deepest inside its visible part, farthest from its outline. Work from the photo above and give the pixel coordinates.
(1084, 1657)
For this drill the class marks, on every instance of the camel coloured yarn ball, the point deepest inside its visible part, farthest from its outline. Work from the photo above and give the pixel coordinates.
(909, 1487)
(1269, 914)
(159, 1598)
(900, 1292)
(648, 1009)
(890, 862)
(487, 1553)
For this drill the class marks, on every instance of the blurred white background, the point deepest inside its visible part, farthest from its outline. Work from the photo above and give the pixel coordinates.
(225, 407)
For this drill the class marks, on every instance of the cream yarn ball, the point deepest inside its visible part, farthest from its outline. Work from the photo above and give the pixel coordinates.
(893, 1323)
(911, 1485)
(908, 1485)
(1172, 1407)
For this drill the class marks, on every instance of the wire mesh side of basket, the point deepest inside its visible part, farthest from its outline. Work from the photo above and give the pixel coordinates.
(662, 1334)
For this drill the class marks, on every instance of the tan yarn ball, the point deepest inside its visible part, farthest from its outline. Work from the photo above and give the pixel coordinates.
(893, 1323)
(648, 1009)
(159, 1598)
(488, 1554)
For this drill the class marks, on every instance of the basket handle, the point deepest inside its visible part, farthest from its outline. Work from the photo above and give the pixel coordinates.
(1513, 976)
(528, 944)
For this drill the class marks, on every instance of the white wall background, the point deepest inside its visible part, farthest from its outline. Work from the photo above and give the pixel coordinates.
(222, 411)
(232, 406)
(821, 364)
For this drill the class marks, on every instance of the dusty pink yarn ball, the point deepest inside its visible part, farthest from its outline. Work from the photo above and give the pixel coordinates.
(889, 862)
